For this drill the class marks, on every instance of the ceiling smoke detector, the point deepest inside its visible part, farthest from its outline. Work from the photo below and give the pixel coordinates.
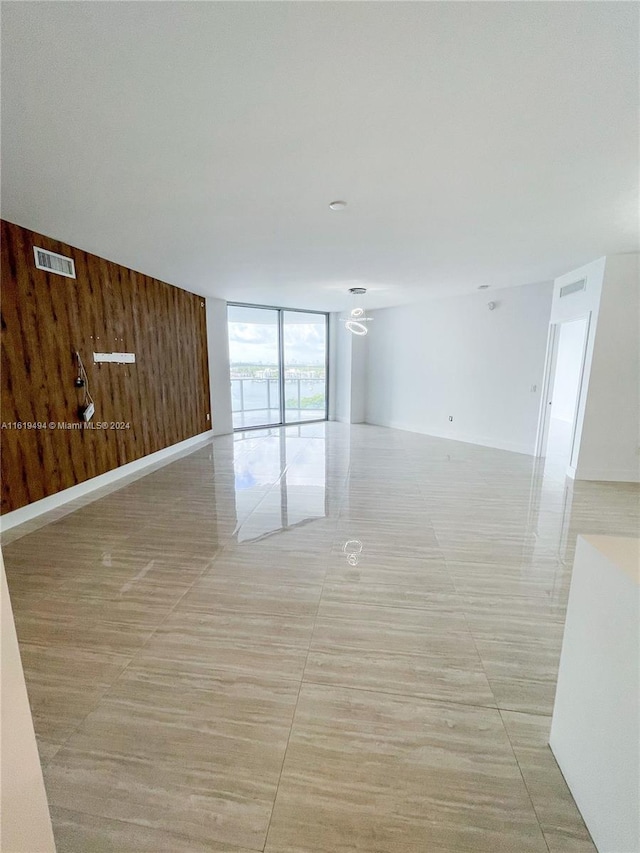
(337, 205)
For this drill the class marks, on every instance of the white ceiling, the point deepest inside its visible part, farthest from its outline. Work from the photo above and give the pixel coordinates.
(201, 142)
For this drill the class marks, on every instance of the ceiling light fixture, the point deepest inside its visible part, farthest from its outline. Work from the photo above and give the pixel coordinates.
(337, 205)
(355, 322)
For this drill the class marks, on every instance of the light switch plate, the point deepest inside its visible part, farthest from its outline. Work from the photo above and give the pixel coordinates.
(115, 357)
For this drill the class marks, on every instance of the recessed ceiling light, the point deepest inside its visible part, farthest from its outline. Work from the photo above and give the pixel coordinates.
(483, 287)
(337, 205)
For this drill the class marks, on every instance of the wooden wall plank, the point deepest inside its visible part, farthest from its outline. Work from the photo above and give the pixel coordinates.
(164, 396)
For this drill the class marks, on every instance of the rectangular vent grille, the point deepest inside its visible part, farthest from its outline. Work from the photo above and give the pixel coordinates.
(51, 262)
(574, 287)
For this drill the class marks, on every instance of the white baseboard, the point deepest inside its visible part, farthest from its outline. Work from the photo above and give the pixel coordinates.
(512, 447)
(609, 475)
(27, 513)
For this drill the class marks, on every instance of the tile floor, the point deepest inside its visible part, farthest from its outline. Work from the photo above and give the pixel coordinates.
(316, 639)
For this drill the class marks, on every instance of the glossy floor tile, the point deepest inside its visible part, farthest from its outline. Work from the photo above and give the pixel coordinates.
(559, 818)
(374, 772)
(312, 639)
(200, 753)
(78, 832)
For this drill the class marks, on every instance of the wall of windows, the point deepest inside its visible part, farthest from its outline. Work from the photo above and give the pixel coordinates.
(278, 365)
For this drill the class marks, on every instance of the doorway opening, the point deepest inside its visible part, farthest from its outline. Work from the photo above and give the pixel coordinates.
(568, 346)
(278, 361)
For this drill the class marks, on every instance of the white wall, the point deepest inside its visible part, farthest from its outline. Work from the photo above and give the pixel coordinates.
(359, 360)
(455, 357)
(333, 364)
(607, 438)
(341, 386)
(348, 379)
(610, 440)
(219, 381)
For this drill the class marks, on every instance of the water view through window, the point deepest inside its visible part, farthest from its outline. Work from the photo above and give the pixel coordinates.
(278, 365)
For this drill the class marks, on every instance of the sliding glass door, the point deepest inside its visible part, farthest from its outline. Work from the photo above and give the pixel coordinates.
(304, 338)
(254, 354)
(278, 365)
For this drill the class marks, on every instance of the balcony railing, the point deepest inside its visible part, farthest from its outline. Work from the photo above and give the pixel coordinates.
(256, 401)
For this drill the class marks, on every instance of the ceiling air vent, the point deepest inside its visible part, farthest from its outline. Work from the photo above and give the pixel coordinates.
(574, 287)
(51, 262)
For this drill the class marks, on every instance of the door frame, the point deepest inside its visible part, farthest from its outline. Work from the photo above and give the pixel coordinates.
(281, 367)
(548, 383)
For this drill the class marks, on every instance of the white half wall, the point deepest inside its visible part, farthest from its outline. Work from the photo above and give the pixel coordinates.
(219, 372)
(595, 735)
(454, 357)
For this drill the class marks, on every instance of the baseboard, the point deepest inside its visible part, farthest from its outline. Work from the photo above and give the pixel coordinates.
(609, 475)
(512, 447)
(33, 510)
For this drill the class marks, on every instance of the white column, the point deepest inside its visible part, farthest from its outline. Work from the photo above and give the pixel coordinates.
(219, 372)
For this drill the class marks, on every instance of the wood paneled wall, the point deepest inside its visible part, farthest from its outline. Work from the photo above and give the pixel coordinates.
(164, 396)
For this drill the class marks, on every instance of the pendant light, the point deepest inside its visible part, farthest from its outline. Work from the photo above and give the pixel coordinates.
(356, 321)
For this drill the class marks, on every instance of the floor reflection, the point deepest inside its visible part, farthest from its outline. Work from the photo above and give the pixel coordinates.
(286, 470)
(227, 621)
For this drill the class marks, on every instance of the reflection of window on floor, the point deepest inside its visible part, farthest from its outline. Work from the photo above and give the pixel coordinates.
(278, 365)
(271, 501)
